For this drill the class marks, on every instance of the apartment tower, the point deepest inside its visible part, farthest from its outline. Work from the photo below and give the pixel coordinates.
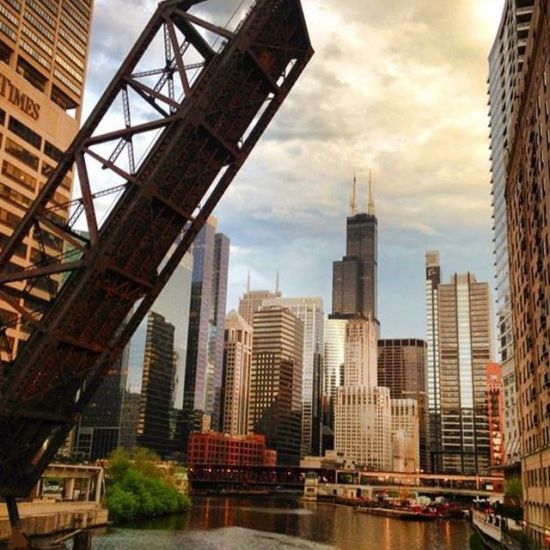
(528, 206)
(43, 58)
(275, 398)
(505, 65)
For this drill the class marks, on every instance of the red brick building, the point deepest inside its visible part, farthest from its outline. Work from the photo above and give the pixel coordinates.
(495, 390)
(231, 450)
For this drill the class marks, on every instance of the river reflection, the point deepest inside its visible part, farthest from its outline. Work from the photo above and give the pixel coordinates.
(274, 523)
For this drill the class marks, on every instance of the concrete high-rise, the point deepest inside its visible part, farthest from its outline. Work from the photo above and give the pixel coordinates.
(433, 279)
(310, 312)
(355, 277)
(236, 374)
(204, 363)
(402, 369)
(43, 59)
(465, 348)
(528, 205)
(275, 398)
(362, 425)
(505, 64)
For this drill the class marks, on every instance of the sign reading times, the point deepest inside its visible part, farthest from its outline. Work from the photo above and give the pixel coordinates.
(17, 97)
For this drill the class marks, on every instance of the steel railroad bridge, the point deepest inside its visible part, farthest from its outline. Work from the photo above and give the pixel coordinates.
(163, 144)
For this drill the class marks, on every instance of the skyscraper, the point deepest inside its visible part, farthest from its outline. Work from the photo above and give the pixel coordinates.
(362, 425)
(433, 279)
(173, 304)
(402, 369)
(275, 402)
(528, 206)
(236, 374)
(505, 64)
(355, 277)
(252, 301)
(43, 59)
(204, 364)
(310, 312)
(159, 375)
(465, 348)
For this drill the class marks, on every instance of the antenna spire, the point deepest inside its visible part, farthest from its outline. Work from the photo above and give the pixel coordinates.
(277, 283)
(353, 199)
(372, 208)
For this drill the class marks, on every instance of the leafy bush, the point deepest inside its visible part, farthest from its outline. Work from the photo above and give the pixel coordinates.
(137, 489)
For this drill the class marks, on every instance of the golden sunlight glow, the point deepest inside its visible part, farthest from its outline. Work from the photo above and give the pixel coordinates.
(488, 13)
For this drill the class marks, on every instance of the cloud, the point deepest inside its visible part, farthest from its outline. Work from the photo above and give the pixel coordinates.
(397, 87)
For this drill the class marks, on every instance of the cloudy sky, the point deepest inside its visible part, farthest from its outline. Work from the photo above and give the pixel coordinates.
(396, 86)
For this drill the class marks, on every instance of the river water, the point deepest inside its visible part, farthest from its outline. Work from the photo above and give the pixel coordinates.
(268, 523)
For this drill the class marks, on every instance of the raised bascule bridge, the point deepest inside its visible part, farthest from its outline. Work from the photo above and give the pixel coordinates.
(162, 145)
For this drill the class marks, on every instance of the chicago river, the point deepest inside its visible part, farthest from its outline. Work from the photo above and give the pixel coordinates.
(273, 523)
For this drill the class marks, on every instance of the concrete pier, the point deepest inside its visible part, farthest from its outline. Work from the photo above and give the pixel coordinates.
(49, 518)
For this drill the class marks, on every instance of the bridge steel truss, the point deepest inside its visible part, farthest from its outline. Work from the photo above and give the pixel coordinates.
(202, 111)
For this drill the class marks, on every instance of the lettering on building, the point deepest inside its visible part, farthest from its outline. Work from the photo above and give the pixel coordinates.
(17, 97)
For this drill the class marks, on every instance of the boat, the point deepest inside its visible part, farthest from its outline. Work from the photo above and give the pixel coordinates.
(397, 513)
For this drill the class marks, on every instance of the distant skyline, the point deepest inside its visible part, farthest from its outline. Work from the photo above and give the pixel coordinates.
(396, 87)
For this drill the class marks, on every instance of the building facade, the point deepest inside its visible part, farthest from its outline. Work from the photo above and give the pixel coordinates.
(154, 428)
(236, 374)
(98, 431)
(333, 361)
(405, 435)
(275, 398)
(204, 362)
(528, 204)
(362, 425)
(433, 279)
(465, 348)
(495, 403)
(252, 301)
(363, 429)
(43, 60)
(311, 312)
(361, 353)
(230, 450)
(505, 64)
(402, 369)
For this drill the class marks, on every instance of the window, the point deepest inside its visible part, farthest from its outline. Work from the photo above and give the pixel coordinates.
(14, 197)
(5, 53)
(62, 99)
(30, 74)
(24, 132)
(19, 152)
(17, 175)
(53, 152)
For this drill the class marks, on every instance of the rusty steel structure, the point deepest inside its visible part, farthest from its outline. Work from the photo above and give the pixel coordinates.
(196, 115)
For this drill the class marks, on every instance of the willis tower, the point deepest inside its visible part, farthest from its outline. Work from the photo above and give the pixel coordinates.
(354, 279)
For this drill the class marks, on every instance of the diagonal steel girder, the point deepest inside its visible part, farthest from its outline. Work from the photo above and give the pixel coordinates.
(204, 140)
